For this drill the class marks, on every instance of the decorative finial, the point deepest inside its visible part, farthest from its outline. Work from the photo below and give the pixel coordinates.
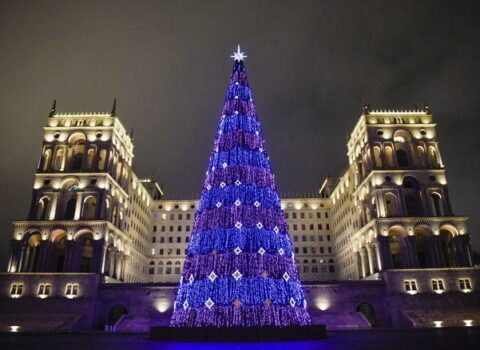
(366, 108)
(114, 108)
(53, 110)
(238, 56)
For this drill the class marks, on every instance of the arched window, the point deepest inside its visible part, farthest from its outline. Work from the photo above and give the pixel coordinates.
(89, 208)
(43, 208)
(411, 194)
(436, 204)
(395, 250)
(177, 267)
(421, 157)
(448, 246)
(85, 249)
(391, 205)
(151, 269)
(389, 156)
(102, 159)
(160, 268)
(70, 209)
(47, 159)
(59, 159)
(90, 157)
(433, 157)
(169, 268)
(57, 257)
(377, 156)
(402, 158)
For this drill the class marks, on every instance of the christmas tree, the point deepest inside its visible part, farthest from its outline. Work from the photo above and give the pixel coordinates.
(240, 268)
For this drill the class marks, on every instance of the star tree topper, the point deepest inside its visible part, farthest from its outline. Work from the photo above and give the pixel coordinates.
(238, 56)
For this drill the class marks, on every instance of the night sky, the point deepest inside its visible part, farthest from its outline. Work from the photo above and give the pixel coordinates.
(311, 65)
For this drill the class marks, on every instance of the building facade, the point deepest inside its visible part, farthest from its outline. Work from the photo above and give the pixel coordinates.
(101, 248)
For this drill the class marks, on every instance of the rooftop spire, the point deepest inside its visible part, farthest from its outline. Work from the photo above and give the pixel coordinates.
(114, 108)
(54, 109)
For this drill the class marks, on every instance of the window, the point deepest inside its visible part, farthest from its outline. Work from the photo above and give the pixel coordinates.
(187, 228)
(154, 228)
(295, 238)
(44, 290)
(179, 239)
(188, 216)
(438, 286)
(16, 290)
(170, 239)
(328, 227)
(71, 290)
(295, 227)
(179, 229)
(160, 252)
(152, 252)
(410, 286)
(296, 250)
(465, 284)
(302, 215)
(163, 229)
(304, 238)
(304, 249)
(304, 227)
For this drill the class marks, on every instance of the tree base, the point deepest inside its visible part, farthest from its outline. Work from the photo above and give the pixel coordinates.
(238, 334)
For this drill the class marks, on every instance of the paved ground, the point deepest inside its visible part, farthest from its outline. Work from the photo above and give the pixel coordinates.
(432, 339)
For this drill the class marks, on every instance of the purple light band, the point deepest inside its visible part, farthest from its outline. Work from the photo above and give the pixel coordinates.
(248, 216)
(234, 139)
(224, 265)
(231, 316)
(246, 175)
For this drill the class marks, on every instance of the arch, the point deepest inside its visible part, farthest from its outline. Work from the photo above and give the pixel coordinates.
(84, 248)
(389, 157)
(70, 208)
(47, 160)
(43, 208)
(391, 205)
(421, 156)
(115, 314)
(102, 158)
(433, 157)
(423, 234)
(402, 142)
(90, 158)
(396, 234)
(32, 248)
(368, 311)
(59, 162)
(76, 137)
(411, 196)
(447, 234)
(89, 211)
(436, 204)
(57, 256)
(377, 157)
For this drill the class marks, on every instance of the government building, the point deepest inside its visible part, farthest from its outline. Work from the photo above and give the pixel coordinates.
(103, 248)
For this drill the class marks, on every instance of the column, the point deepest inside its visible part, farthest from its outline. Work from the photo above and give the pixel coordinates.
(78, 206)
(15, 255)
(384, 252)
(370, 259)
(68, 264)
(53, 208)
(98, 256)
(363, 262)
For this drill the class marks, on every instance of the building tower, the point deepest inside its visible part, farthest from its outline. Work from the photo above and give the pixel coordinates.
(240, 268)
(391, 208)
(84, 197)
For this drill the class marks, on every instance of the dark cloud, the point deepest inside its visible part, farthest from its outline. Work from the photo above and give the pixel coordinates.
(311, 64)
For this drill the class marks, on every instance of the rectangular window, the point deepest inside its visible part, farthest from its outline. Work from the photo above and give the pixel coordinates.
(177, 270)
(179, 239)
(321, 250)
(160, 252)
(326, 215)
(302, 215)
(319, 215)
(304, 238)
(180, 216)
(179, 229)
(296, 250)
(163, 228)
(304, 227)
(188, 216)
(187, 228)
(71, 290)
(294, 227)
(187, 239)
(170, 228)
(170, 239)
(16, 290)
(152, 251)
(410, 286)
(154, 228)
(312, 238)
(310, 215)
(162, 239)
(172, 217)
(328, 227)
(304, 249)
(295, 238)
(44, 290)
(319, 226)
(465, 284)
(438, 286)
(294, 215)
(286, 215)
(154, 239)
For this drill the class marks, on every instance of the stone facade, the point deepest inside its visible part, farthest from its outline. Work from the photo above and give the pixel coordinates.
(378, 246)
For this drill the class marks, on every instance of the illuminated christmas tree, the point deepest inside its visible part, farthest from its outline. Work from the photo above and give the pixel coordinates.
(240, 268)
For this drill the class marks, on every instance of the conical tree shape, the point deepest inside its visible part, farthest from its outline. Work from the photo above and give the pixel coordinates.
(240, 268)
